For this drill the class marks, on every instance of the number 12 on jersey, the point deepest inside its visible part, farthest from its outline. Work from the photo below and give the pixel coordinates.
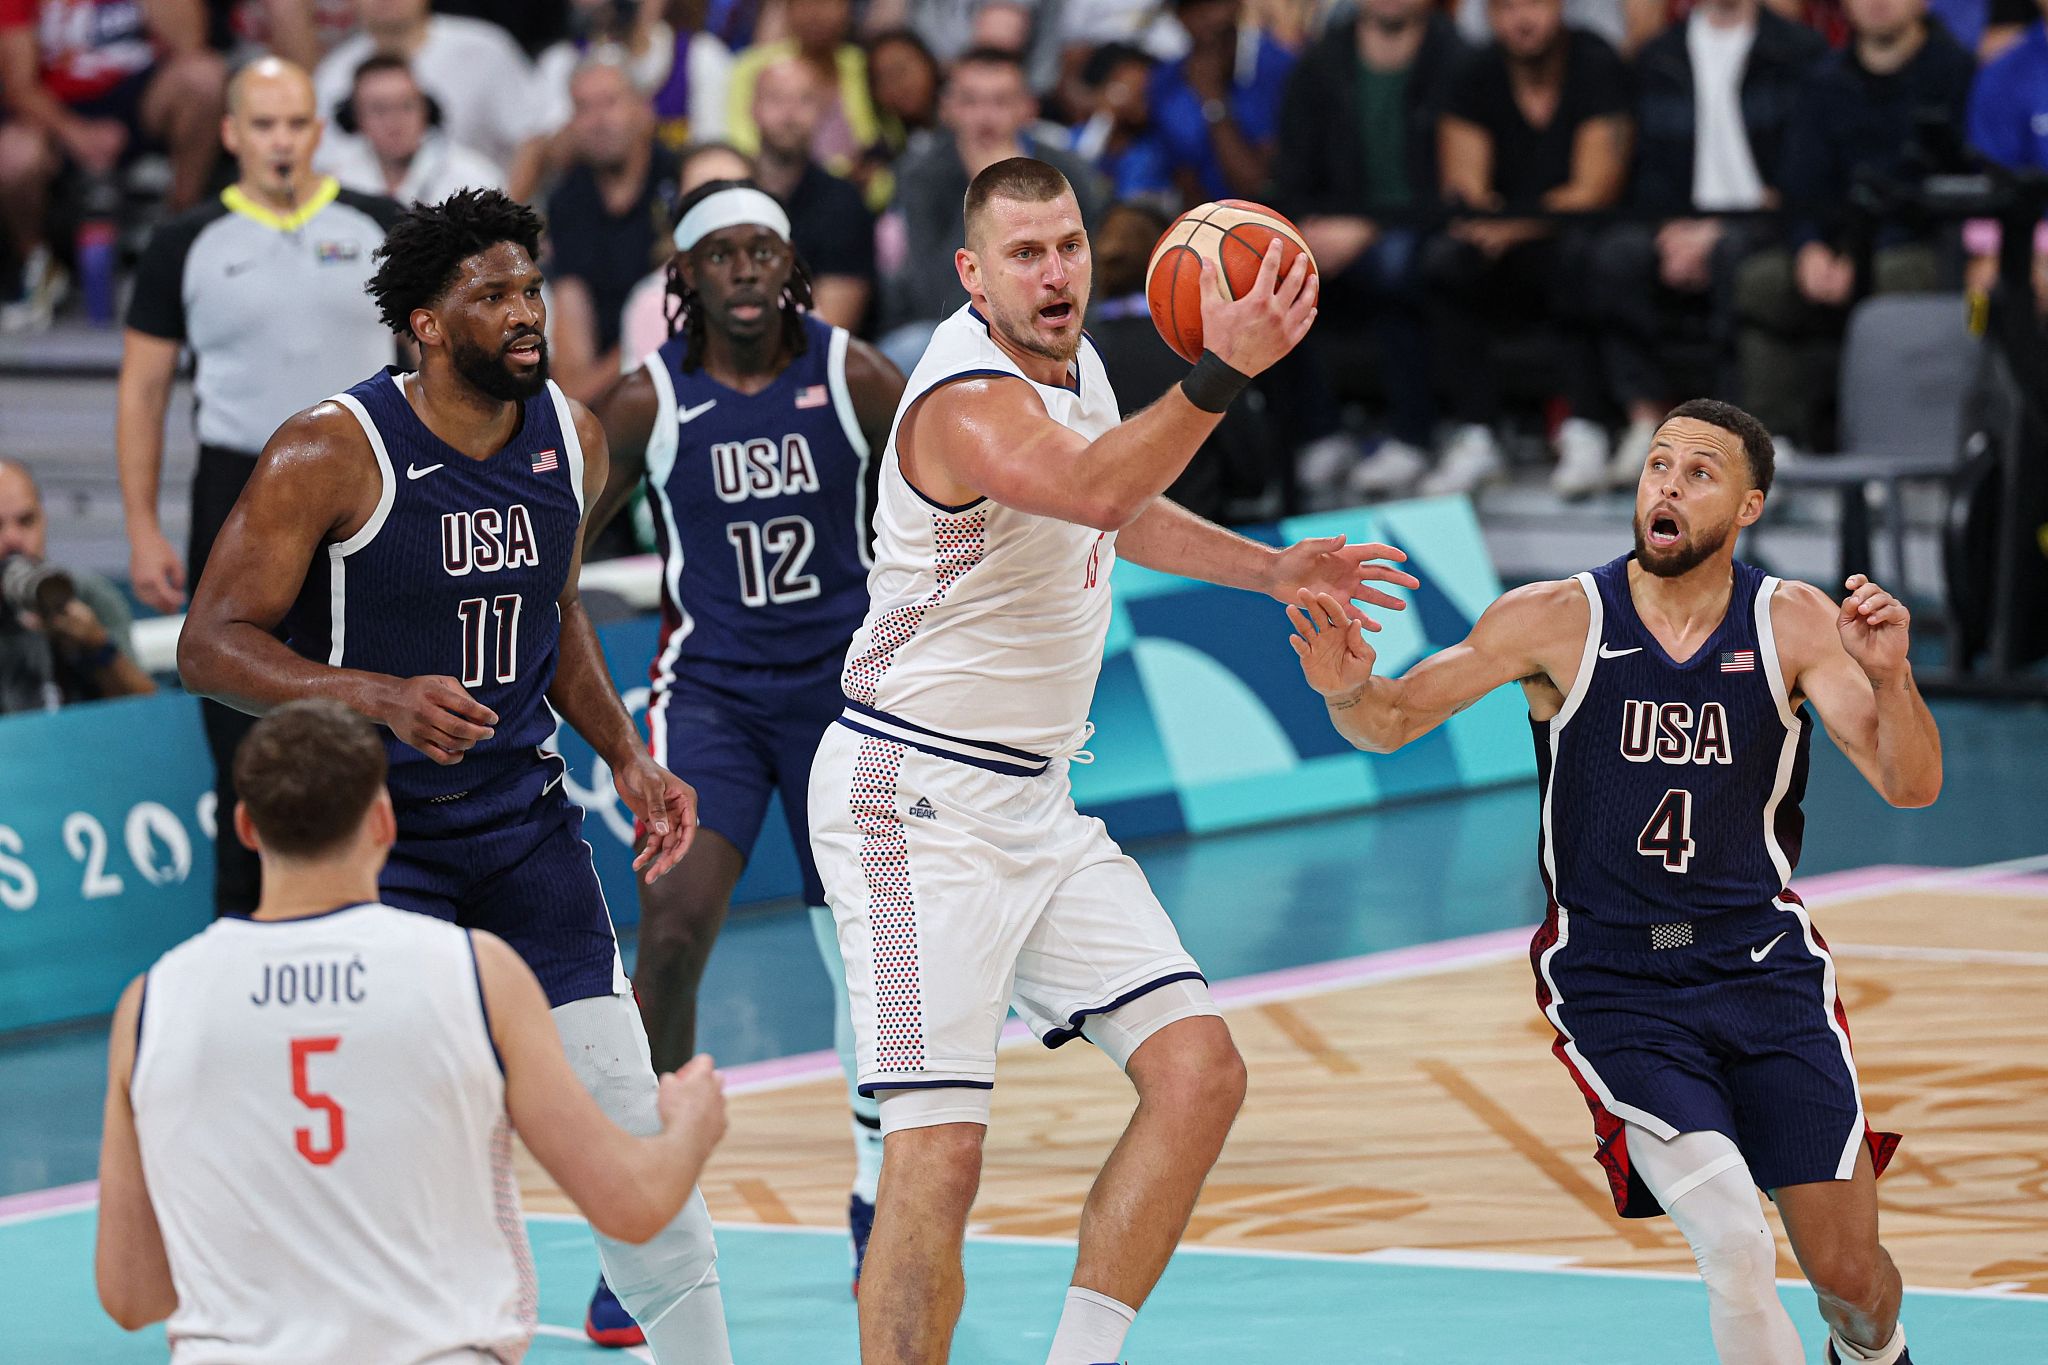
(1668, 835)
(789, 539)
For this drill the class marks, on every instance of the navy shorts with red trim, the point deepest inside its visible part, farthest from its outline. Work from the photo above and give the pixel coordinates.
(1740, 1030)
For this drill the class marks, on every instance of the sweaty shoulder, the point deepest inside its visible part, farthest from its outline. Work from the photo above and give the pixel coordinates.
(962, 426)
(1541, 628)
(322, 456)
(1803, 622)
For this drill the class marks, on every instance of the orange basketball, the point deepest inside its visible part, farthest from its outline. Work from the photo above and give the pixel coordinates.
(1234, 233)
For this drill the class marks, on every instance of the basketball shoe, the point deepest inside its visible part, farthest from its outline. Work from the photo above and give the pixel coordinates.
(608, 1323)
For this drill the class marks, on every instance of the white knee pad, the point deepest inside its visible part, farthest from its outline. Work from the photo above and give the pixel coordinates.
(1705, 1185)
(1119, 1032)
(929, 1108)
(669, 1283)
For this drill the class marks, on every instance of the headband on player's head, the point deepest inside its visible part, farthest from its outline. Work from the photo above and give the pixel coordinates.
(730, 208)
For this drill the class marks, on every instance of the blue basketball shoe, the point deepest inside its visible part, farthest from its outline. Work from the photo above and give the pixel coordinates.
(860, 1222)
(608, 1323)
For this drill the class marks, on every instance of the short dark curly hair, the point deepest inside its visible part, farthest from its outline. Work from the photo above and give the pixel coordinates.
(1757, 446)
(425, 248)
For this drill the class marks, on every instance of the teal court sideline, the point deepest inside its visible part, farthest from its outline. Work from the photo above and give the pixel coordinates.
(1251, 902)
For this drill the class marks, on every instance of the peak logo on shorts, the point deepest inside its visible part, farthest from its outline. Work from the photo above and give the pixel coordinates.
(921, 809)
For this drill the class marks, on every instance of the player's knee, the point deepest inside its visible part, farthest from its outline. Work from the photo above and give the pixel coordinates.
(1738, 1262)
(1193, 1068)
(942, 1161)
(1852, 1275)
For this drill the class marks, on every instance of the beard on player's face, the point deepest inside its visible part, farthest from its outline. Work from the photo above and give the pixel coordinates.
(492, 373)
(1021, 325)
(1692, 548)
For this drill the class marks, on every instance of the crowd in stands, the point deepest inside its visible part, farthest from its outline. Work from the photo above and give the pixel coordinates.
(1566, 214)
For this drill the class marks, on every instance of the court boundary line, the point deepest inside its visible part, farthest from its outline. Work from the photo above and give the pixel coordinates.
(1317, 978)
(1416, 1257)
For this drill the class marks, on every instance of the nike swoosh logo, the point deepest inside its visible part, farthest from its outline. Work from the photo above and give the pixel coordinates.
(1759, 954)
(413, 471)
(692, 414)
(1607, 653)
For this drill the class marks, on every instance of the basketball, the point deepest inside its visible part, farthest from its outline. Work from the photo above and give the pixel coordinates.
(1234, 233)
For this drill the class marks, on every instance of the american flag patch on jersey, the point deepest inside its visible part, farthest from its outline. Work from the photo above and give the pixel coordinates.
(812, 397)
(546, 463)
(1738, 661)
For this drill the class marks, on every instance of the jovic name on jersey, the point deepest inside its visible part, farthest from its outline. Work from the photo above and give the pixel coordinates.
(761, 508)
(457, 573)
(1671, 790)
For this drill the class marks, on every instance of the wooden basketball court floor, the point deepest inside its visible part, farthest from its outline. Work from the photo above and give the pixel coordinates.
(1411, 1179)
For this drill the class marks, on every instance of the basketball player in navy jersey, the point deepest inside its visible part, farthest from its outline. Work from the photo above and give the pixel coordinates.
(418, 540)
(1694, 1002)
(752, 427)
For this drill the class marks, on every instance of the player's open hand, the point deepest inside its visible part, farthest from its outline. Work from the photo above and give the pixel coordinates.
(1875, 629)
(1326, 564)
(666, 807)
(1335, 658)
(1269, 321)
(437, 716)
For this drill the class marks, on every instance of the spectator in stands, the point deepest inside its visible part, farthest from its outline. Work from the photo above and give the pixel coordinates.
(81, 652)
(90, 83)
(684, 71)
(391, 143)
(987, 109)
(2009, 125)
(1218, 108)
(1714, 96)
(820, 32)
(300, 31)
(1356, 167)
(608, 222)
(904, 78)
(645, 324)
(1859, 115)
(1117, 137)
(474, 71)
(1536, 122)
(828, 224)
(1234, 462)
(264, 285)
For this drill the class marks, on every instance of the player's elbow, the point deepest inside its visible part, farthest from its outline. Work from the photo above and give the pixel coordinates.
(634, 1220)
(196, 659)
(1915, 793)
(131, 1308)
(1109, 511)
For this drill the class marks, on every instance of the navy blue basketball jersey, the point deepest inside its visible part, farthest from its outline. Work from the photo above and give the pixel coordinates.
(1671, 790)
(457, 573)
(761, 505)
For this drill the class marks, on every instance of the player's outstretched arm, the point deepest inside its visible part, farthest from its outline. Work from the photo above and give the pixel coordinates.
(582, 694)
(1171, 539)
(129, 1262)
(1850, 661)
(991, 437)
(1535, 632)
(315, 482)
(628, 1187)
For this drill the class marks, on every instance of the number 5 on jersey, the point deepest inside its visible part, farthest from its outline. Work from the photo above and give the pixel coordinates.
(1668, 835)
(303, 1050)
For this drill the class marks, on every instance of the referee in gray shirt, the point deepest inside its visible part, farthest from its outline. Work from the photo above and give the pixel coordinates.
(264, 286)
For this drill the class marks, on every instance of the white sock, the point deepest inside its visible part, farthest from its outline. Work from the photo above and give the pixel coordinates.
(1852, 1354)
(867, 1113)
(1091, 1329)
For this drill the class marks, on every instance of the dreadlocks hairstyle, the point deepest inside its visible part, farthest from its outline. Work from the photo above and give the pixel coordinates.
(685, 318)
(426, 247)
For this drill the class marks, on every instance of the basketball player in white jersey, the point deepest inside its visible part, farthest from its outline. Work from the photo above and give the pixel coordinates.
(307, 1150)
(962, 879)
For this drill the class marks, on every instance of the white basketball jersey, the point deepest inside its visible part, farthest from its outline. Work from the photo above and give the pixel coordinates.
(985, 623)
(321, 1112)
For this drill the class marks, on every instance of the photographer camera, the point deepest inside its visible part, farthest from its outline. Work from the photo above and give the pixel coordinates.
(64, 636)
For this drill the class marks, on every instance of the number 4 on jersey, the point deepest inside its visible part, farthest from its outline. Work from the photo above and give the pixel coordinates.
(1669, 834)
